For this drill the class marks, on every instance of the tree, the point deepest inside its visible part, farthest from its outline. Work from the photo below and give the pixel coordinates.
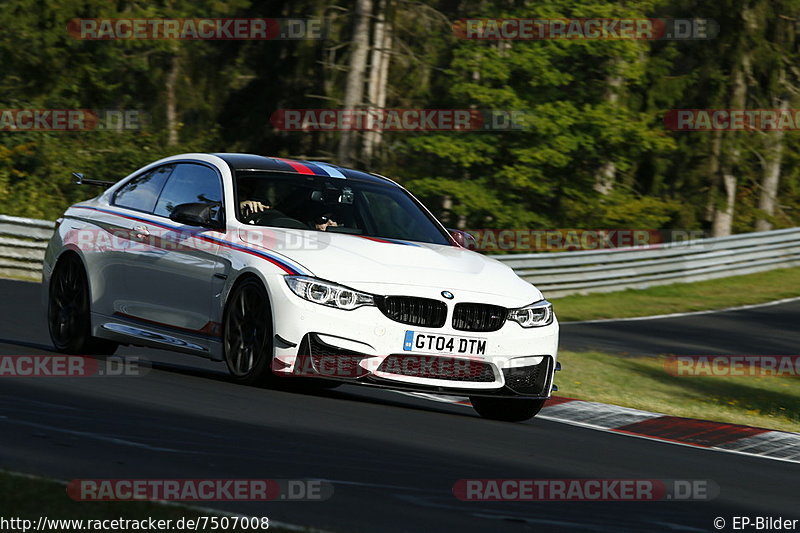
(356, 76)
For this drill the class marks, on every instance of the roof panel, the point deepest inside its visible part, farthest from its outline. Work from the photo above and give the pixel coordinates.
(260, 162)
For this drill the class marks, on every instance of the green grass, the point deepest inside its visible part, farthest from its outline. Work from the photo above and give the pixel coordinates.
(682, 297)
(31, 497)
(644, 383)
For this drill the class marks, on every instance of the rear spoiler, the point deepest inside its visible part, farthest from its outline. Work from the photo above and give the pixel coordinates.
(80, 180)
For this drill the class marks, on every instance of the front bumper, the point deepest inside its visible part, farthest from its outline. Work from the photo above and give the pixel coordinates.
(365, 346)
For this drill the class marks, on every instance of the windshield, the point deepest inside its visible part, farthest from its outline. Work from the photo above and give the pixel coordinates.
(334, 205)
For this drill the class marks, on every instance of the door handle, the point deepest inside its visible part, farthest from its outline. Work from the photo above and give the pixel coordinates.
(140, 232)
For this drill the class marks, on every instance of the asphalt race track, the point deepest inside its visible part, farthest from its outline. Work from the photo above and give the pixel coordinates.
(392, 459)
(767, 330)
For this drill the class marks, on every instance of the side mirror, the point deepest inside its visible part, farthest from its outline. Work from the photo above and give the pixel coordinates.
(195, 214)
(463, 239)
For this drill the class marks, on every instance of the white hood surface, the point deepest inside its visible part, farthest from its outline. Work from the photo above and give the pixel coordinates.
(371, 264)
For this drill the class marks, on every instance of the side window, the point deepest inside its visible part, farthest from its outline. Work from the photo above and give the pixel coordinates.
(142, 191)
(190, 183)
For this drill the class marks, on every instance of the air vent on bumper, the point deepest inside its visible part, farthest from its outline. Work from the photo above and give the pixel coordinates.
(529, 380)
(437, 367)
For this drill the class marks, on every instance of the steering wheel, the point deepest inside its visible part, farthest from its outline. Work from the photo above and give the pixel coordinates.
(275, 218)
(255, 217)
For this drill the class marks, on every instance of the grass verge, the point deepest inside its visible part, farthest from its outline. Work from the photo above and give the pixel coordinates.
(644, 383)
(682, 297)
(29, 498)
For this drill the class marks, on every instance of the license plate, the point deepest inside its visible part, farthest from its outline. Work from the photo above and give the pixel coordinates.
(420, 342)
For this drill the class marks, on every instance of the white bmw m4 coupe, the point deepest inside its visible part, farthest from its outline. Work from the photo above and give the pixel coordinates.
(297, 269)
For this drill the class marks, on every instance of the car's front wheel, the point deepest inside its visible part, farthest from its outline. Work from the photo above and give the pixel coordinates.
(506, 409)
(248, 333)
(68, 311)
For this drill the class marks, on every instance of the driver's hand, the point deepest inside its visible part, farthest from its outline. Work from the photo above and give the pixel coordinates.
(326, 225)
(249, 207)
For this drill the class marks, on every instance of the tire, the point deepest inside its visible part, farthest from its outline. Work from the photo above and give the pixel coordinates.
(247, 333)
(69, 312)
(506, 409)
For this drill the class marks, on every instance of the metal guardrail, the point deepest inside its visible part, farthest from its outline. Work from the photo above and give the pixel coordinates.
(563, 273)
(22, 245)
(23, 242)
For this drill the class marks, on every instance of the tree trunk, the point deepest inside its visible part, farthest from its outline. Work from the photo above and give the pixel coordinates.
(713, 172)
(447, 210)
(723, 218)
(172, 112)
(772, 174)
(354, 88)
(378, 75)
(604, 176)
(774, 140)
(723, 215)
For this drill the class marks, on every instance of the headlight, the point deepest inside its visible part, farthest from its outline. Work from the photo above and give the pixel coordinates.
(327, 293)
(533, 316)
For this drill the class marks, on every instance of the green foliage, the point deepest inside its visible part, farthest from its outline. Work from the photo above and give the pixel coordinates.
(35, 172)
(590, 108)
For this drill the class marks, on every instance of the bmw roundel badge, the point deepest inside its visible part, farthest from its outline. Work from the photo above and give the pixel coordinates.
(448, 295)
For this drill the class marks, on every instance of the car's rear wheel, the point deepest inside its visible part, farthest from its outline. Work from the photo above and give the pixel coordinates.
(69, 313)
(506, 409)
(248, 333)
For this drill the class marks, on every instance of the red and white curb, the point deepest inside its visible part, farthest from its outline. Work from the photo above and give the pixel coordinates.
(719, 436)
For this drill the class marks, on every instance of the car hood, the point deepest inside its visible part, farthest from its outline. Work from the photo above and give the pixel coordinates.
(381, 266)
